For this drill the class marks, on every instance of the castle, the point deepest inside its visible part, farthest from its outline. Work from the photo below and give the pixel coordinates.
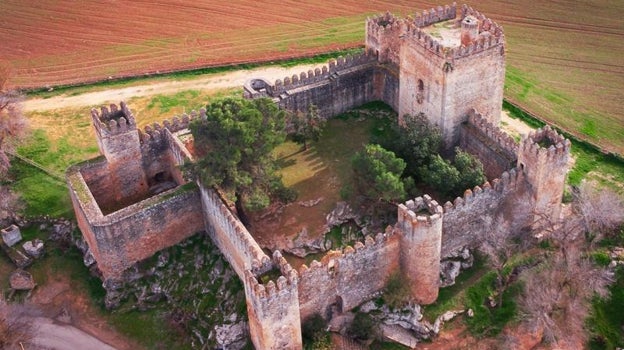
(447, 63)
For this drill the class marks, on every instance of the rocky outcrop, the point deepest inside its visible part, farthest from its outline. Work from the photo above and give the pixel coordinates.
(199, 287)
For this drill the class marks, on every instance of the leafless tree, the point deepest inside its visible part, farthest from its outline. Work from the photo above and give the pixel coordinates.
(557, 295)
(600, 210)
(15, 327)
(12, 120)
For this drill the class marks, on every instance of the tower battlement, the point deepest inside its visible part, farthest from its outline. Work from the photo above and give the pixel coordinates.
(420, 212)
(113, 120)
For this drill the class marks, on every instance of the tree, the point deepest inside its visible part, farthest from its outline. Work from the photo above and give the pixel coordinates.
(600, 211)
(470, 170)
(307, 126)
(451, 178)
(557, 296)
(15, 327)
(234, 145)
(416, 141)
(12, 121)
(12, 127)
(378, 173)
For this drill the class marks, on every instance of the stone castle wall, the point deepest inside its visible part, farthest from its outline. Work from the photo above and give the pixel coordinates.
(136, 232)
(348, 277)
(230, 235)
(496, 150)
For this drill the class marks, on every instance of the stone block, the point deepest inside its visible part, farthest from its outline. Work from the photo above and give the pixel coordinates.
(11, 235)
(21, 280)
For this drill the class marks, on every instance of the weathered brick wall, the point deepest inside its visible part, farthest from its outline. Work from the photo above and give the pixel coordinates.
(230, 235)
(420, 224)
(136, 232)
(544, 155)
(348, 277)
(475, 81)
(497, 206)
(496, 150)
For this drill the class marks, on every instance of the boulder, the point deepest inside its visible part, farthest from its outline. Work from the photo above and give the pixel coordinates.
(232, 336)
(34, 248)
(341, 214)
(21, 280)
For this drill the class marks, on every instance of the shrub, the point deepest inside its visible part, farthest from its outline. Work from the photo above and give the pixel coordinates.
(313, 327)
(397, 292)
(362, 327)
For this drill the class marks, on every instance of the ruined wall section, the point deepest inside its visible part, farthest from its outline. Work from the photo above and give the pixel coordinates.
(136, 232)
(348, 277)
(273, 309)
(500, 205)
(231, 236)
(543, 156)
(496, 150)
(420, 223)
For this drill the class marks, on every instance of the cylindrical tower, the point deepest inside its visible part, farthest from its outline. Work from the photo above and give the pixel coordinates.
(469, 30)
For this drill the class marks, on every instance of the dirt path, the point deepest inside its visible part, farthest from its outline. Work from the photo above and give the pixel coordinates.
(53, 335)
(208, 82)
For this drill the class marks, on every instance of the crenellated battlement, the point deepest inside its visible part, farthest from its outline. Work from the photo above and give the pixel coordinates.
(435, 15)
(509, 181)
(485, 24)
(321, 73)
(113, 120)
(499, 137)
(333, 258)
(386, 23)
(176, 123)
(420, 212)
(546, 144)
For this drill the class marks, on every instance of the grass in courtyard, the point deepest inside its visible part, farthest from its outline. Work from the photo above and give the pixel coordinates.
(320, 171)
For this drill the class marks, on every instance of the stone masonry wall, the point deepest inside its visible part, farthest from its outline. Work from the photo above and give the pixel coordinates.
(348, 277)
(136, 232)
(496, 206)
(496, 150)
(228, 233)
(342, 85)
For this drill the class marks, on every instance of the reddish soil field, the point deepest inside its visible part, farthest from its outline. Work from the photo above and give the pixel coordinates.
(564, 57)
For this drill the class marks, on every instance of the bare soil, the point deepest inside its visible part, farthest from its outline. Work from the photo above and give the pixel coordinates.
(69, 320)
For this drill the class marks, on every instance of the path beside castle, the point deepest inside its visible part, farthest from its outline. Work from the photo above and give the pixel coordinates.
(215, 81)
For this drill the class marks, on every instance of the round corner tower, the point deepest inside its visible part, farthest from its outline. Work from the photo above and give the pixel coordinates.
(420, 223)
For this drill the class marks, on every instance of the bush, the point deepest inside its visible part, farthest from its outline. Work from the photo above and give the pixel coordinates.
(362, 327)
(397, 292)
(313, 327)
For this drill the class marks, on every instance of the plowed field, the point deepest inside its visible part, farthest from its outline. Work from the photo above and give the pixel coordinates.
(564, 57)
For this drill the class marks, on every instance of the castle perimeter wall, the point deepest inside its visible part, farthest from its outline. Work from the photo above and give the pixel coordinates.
(496, 207)
(342, 85)
(228, 233)
(347, 278)
(496, 150)
(136, 232)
